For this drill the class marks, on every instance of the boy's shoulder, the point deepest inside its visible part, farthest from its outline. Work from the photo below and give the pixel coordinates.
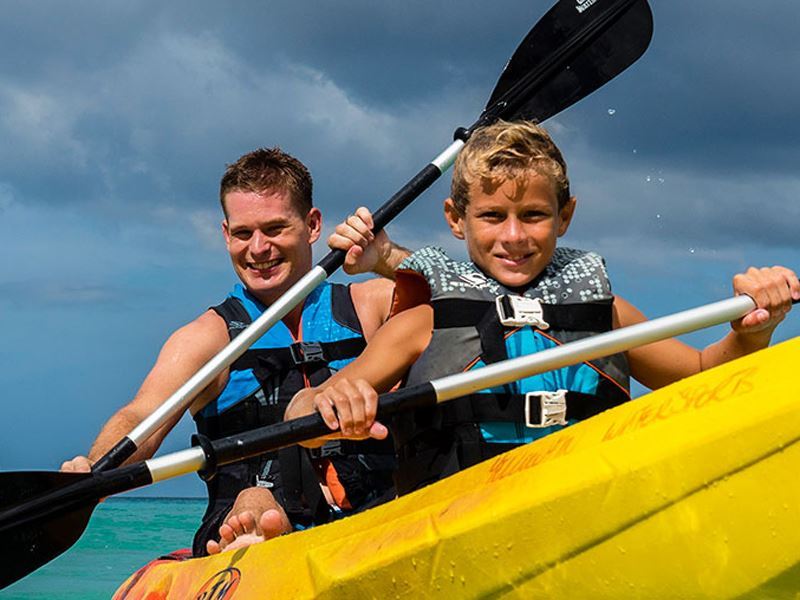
(572, 275)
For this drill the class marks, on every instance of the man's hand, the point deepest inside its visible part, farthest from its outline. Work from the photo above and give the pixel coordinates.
(365, 250)
(773, 290)
(79, 464)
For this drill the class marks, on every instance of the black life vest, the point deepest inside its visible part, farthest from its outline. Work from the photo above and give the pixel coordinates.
(570, 300)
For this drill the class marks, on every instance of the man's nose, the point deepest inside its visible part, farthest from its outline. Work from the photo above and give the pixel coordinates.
(259, 243)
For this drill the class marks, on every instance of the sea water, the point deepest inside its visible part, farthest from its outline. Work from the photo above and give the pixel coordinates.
(123, 534)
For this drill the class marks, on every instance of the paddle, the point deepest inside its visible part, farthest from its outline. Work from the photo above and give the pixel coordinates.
(567, 55)
(42, 514)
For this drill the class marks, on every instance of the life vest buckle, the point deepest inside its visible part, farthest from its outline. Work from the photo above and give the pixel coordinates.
(552, 408)
(307, 352)
(519, 311)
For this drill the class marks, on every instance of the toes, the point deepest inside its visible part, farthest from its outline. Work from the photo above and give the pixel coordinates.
(226, 534)
(247, 521)
(213, 547)
(272, 524)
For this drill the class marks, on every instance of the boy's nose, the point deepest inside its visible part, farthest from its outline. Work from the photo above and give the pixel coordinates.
(513, 231)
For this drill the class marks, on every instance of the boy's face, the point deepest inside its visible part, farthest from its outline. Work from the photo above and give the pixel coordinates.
(511, 229)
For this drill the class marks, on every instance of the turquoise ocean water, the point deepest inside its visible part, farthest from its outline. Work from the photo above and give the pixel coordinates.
(123, 534)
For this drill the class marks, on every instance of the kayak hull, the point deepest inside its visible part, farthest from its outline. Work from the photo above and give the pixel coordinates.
(689, 491)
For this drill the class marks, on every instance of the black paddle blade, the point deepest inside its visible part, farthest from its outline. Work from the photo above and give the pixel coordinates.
(30, 543)
(43, 513)
(577, 47)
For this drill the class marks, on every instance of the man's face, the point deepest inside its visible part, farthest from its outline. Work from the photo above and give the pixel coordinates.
(269, 241)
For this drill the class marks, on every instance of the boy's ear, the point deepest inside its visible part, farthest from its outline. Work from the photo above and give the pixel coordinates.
(565, 216)
(453, 218)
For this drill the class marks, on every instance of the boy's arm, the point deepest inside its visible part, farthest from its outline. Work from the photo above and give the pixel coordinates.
(366, 251)
(348, 400)
(661, 363)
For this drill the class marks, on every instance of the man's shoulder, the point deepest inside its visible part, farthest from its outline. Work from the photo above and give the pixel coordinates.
(206, 334)
(372, 291)
(372, 300)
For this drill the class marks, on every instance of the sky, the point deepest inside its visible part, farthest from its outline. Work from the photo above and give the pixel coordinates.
(117, 120)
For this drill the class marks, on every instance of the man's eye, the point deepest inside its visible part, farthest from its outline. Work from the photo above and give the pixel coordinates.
(242, 234)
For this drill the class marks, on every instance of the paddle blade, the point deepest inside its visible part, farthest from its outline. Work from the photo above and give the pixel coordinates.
(42, 513)
(573, 50)
(30, 543)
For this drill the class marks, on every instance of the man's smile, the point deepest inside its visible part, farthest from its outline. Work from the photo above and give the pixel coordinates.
(264, 266)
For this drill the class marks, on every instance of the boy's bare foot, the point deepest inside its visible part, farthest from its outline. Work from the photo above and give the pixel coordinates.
(242, 528)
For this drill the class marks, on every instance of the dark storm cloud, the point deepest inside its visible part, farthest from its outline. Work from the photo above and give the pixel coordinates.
(715, 93)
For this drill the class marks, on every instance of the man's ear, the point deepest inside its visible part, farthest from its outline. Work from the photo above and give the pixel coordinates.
(565, 215)
(314, 224)
(226, 232)
(454, 219)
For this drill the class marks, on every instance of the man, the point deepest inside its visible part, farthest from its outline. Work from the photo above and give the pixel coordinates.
(269, 226)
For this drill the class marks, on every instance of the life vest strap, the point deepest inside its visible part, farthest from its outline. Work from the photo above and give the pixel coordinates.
(586, 316)
(519, 408)
(298, 354)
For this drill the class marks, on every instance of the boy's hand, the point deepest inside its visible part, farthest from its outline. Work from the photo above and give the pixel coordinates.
(346, 406)
(773, 290)
(366, 251)
(350, 406)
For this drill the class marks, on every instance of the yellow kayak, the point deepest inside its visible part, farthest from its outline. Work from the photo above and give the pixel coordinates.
(690, 491)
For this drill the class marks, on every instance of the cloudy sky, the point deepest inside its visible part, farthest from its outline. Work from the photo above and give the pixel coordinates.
(117, 120)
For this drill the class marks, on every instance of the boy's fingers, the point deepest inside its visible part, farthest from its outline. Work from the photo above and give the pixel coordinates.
(370, 400)
(324, 406)
(378, 431)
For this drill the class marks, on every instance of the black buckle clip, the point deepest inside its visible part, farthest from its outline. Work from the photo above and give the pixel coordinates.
(306, 352)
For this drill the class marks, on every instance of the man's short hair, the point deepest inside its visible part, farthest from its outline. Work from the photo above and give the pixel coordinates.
(268, 169)
(504, 151)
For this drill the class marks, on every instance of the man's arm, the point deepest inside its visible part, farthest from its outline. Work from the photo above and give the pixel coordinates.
(349, 398)
(184, 353)
(658, 364)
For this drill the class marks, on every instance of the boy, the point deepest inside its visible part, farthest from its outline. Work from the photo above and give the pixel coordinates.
(510, 202)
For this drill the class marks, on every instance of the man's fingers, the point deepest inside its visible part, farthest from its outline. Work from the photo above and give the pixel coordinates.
(79, 464)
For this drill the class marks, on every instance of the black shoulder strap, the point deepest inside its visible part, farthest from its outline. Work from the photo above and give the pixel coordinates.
(342, 308)
(234, 314)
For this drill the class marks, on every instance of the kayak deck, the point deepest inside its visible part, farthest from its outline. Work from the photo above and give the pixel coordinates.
(681, 493)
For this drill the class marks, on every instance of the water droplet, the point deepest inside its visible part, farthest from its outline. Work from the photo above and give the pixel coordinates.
(658, 216)
(612, 111)
(691, 250)
(635, 151)
(647, 179)
(660, 180)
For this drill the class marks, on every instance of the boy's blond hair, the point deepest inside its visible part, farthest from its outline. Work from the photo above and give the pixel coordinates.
(503, 151)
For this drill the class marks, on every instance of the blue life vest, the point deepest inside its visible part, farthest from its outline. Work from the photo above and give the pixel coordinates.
(262, 382)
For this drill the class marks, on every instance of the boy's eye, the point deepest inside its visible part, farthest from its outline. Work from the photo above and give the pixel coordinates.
(491, 215)
(534, 215)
